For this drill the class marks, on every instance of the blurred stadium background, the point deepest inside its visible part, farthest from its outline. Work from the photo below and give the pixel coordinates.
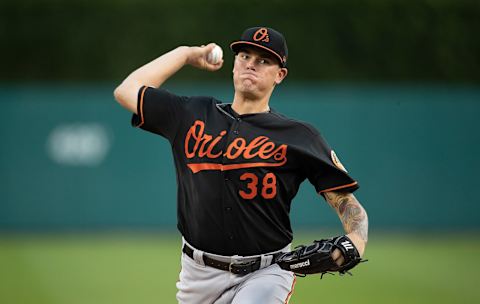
(87, 203)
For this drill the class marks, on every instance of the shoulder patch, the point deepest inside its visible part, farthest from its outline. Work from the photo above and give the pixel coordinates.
(337, 162)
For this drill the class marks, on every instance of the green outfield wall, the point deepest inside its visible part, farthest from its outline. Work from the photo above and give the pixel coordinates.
(70, 160)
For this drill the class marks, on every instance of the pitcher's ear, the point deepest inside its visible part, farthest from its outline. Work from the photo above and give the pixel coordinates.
(282, 73)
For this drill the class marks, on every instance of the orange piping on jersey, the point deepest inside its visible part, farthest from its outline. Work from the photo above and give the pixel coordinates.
(339, 187)
(209, 166)
(291, 289)
(142, 120)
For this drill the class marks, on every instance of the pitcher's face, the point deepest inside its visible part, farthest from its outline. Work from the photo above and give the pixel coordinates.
(256, 72)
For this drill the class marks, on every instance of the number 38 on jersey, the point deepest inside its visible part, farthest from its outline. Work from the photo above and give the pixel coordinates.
(265, 186)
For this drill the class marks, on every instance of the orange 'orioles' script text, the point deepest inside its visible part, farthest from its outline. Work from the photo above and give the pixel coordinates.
(202, 145)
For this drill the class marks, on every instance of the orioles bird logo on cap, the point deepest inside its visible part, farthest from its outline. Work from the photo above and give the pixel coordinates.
(261, 35)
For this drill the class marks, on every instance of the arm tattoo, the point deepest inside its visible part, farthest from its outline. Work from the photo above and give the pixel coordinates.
(351, 213)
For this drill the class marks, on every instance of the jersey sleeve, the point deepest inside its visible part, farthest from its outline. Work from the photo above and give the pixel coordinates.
(325, 171)
(159, 112)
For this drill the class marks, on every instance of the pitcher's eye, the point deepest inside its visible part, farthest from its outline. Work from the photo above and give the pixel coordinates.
(264, 61)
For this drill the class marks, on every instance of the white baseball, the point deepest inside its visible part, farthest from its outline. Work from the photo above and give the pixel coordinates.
(215, 55)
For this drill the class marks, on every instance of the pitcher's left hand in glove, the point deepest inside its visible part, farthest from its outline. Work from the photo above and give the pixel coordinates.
(317, 257)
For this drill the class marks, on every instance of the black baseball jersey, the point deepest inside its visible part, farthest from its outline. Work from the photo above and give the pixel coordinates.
(237, 174)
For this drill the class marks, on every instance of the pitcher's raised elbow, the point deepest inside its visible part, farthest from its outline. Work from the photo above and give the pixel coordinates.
(126, 95)
(119, 94)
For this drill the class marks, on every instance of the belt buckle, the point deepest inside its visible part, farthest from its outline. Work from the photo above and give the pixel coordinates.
(233, 261)
(240, 266)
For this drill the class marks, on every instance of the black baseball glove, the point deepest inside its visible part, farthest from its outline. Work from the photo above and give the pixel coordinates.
(317, 257)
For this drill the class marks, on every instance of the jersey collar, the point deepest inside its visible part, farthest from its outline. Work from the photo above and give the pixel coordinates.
(226, 108)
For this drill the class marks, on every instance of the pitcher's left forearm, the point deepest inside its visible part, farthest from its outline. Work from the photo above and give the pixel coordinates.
(352, 215)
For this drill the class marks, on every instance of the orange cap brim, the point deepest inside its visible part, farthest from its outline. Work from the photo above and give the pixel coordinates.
(257, 45)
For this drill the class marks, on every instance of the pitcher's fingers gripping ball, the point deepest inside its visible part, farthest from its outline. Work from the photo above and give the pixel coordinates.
(208, 57)
(215, 56)
(317, 257)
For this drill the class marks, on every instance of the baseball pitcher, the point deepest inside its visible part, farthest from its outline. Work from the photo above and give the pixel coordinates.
(239, 164)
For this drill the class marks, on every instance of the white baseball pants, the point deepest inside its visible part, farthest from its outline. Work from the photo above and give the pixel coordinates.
(200, 284)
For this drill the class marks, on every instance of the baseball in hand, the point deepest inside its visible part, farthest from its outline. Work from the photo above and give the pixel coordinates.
(215, 56)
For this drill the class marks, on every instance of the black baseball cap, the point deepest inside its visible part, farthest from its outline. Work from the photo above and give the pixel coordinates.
(265, 38)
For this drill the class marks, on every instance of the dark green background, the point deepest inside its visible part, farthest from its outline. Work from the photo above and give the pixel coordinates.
(369, 40)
